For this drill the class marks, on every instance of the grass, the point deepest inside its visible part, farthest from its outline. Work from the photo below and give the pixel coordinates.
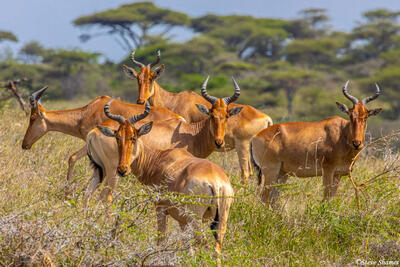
(39, 226)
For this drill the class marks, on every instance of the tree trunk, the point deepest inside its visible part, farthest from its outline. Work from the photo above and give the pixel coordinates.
(289, 96)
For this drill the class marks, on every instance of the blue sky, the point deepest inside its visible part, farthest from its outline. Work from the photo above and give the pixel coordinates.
(49, 21)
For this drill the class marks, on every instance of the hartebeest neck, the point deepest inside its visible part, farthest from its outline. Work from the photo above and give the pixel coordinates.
(201, 137)
(147, 163)
(162, 98)
(65, 121)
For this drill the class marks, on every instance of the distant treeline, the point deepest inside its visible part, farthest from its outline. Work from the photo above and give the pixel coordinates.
(293, 68)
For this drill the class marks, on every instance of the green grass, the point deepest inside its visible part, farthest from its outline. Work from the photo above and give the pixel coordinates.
(37, 224)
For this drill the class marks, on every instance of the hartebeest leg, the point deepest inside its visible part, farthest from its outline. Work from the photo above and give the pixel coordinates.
(336, 181)
(162, 220)
(94, 183)
(271, 174)
(243, 151)
(275, 192)
(110, 184)
(224, 205)
(328, 182)
(71, 163)
(110, 180)
(73, 159)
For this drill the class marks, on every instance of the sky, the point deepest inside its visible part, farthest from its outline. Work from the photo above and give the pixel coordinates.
(50, 21)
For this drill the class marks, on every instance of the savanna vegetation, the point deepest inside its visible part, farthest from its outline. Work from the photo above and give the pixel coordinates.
(38, 225)
(292, 70)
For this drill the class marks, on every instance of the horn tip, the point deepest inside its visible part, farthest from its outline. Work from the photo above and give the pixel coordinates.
(378, 89)
(206, 81)
(109, 102)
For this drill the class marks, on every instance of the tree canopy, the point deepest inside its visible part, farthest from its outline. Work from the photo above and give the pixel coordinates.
(8, 36)
(248, 36)
(132, 22)
(292, 69)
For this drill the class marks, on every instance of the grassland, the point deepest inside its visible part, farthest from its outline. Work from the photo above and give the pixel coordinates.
(39, 226)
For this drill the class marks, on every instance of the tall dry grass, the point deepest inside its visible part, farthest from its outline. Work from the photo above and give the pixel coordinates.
(39, 226)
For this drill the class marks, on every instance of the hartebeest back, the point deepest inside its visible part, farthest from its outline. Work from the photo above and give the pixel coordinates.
(307, 149)
(199, 138)
(176, 170)
(79, 121)
(239, 130)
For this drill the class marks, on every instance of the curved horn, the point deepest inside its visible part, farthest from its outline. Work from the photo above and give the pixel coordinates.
(375, 96)
(204, 93)
(117, 118)
(36, 96)
(346, 94)
(136, 118)
(134, 61)
(235, 96)
(157, 60)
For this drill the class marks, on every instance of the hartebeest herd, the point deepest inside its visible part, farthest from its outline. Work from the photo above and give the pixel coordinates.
(163, 141)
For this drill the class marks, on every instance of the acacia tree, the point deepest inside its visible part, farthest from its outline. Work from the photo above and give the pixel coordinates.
(378, 34)
(311, 24)
(131, 24)
(32, 52)
(248, 36)
(290, 80)
(315, 51)
(7, 36)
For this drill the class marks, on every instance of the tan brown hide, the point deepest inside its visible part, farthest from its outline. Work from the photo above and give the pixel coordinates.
(308, 149)
(79, 121)
(239, 129)
(199, 138)
(172, 170)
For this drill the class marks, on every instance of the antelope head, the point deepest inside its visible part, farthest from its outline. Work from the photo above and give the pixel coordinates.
(358, 115)
(126, 135)
(37, 124)
(146, 77)
(219, 112)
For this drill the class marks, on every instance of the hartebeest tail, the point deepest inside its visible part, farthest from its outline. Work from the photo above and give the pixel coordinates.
(96, 167)
(308, 149)
(255, 164)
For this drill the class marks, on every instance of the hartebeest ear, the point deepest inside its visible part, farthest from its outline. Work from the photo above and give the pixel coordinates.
(130, 72)
(235, 110)
(145, 129)
(158, 71)
(203, 109)
(374, 112)
(343, 107)
(106, 131)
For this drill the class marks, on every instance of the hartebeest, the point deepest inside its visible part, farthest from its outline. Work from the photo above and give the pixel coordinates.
(239, 129)
(308, 149)
(176, 170)
(79, 121)
(199, 138)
